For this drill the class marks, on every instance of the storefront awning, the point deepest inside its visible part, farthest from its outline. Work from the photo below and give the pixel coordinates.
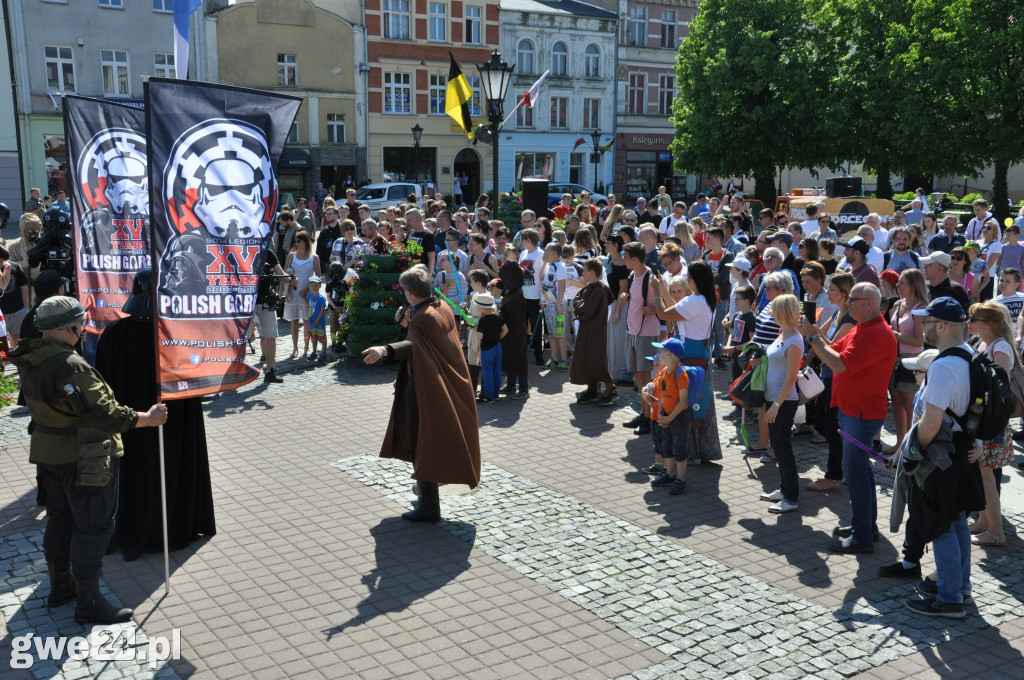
(294, 158)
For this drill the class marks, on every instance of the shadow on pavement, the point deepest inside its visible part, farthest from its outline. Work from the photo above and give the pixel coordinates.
(799, 543)
(699, 506)
(412, 561)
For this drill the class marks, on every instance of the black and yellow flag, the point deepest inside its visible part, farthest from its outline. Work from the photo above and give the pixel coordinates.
(457, 98)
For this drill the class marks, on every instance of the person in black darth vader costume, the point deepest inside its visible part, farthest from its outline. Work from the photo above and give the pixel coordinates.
(126, 358)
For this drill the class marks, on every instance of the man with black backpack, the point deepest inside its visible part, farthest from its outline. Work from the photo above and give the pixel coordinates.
(958, 401)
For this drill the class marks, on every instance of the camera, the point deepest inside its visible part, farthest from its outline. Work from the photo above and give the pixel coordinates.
(53, 250)
(268, 292)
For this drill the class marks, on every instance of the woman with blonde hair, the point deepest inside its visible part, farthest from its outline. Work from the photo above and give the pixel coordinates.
(691, 251)
(583, 245)
(990, 321)
(612, 221)
(783, 356)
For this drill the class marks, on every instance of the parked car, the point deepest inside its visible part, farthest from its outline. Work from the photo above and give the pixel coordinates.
(385, 194)
(556, 189)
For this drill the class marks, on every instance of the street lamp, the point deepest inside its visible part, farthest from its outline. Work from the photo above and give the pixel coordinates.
(595, 138)
(495, 76)
(417, 135)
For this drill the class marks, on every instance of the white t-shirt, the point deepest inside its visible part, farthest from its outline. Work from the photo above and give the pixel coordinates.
(881, 239)
(531, 264)
(948, 386)
(668, 225)
(553, 273)
(570, 275)
(1014, 303)
(699, 317)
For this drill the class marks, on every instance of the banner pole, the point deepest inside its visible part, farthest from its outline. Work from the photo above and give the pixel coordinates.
(510, 114)
(163, 513)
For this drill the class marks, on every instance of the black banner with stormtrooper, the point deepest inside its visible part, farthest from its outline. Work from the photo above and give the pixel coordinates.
(213, 190)
(106, 145)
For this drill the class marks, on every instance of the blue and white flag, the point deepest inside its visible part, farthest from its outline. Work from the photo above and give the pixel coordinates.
(182, 11)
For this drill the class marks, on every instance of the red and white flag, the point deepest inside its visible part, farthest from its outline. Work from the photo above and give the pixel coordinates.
(579, 142)
(530, 97)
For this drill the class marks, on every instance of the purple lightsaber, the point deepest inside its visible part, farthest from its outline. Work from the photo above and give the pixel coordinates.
(871, 451)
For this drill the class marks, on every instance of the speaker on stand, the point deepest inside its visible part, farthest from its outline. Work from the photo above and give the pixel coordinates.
(535, 197)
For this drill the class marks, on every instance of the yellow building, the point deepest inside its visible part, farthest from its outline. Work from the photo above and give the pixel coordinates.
(307, 50)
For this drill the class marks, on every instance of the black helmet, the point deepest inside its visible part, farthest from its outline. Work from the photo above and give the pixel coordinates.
(140, 302)
(337, 270)
(55, 218)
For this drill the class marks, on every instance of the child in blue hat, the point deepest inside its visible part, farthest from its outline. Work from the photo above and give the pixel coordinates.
(671, 417)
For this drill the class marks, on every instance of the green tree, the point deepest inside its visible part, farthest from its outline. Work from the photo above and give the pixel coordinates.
(749, 79)
(971, 59)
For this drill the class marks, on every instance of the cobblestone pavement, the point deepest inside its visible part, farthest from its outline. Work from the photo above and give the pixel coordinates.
(563, 564)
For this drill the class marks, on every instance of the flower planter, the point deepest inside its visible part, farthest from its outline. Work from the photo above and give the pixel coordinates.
(386, 264)
(377, 332)
(365, 315)
(388, 280)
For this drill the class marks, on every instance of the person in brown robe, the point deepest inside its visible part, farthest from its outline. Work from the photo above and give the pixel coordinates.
(445, 447)
(513, 345)
(590, 359)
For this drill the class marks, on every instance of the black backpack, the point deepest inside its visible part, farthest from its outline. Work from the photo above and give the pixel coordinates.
(989, 383)
(644, 284)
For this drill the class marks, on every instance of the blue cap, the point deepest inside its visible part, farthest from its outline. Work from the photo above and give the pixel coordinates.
(673, 345)
(651, 360)
(945, 309)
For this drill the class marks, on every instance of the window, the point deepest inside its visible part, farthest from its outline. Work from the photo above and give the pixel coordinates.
(336, 130)
(163, 5)
(668, 29)
(592, 62)
(559, 58)
(478, 95)
(163, 65)
(396, 19)
(666, 92)
(293, 134)
(591, 114)
(638, 26)
(117, 4)
(287, 70)
(637, 93)
(438, 92)
(438, 22)
(397, 93)
(524, 57)
(60, 68)
(534, 164)
(559, 109)
(473, 25)
(116, 81)
(524, 117)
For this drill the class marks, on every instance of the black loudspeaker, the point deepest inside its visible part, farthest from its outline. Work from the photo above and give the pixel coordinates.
(535, 197)
(843, 186)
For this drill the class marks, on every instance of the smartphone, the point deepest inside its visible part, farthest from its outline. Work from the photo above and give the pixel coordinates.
(810, 309)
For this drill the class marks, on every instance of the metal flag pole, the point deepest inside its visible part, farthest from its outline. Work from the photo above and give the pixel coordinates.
(163, 513)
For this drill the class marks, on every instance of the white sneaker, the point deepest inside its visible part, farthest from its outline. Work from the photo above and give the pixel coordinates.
(774, 496)
(783, 506)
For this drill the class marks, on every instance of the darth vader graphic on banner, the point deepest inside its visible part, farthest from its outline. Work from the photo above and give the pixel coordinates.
(213, 188)
(110, 202)
(220, 193)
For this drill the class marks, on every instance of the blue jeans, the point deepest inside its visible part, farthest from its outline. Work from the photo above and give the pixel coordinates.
(860, 476)
(490, 370)
(721, 309)
(953, 562)
(89, 344)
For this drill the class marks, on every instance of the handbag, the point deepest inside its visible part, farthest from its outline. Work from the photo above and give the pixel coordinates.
(808, 385)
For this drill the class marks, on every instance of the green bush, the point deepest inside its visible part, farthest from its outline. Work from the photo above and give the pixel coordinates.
(905, 197)
(970, 198)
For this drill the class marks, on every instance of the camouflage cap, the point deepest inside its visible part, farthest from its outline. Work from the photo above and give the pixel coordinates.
(58, 313)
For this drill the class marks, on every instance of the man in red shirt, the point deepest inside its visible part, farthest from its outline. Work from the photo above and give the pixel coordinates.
(564, 208)
(862, 362)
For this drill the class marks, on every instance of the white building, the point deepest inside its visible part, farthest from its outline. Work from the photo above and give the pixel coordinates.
(10, 180)
(576, 41)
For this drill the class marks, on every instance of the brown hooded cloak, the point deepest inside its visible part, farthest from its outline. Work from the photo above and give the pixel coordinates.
(590, 357)
(433, 374)
(513, 313)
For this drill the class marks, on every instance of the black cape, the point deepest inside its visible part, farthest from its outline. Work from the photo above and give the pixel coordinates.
(126, 358)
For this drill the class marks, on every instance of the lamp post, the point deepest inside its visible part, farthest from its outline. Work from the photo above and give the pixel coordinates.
(595, 138)
(417, 134)
(495, 76)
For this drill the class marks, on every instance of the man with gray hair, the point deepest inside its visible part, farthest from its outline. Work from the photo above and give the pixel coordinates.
(433, 422)
(881, 234)
(862, 364)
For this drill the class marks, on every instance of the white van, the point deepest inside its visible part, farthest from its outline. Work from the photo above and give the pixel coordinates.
(386, 194)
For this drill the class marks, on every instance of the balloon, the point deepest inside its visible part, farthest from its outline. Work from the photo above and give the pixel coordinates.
(1008, 222)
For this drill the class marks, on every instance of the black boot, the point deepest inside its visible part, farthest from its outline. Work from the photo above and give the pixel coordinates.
(644, 427)
(270, 376)
(429, 509)
(92, 607)
(62, 585)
